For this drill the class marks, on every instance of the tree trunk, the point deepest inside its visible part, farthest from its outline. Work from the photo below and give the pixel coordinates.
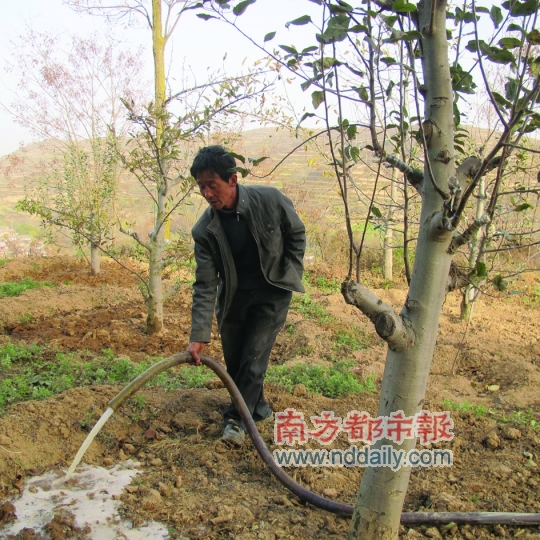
(382, 491)
(159, 41)
(154, 320)
(154, 302)
(468, 294)
(95, 259)
(388, 255)
(388, 261)
(158, 44)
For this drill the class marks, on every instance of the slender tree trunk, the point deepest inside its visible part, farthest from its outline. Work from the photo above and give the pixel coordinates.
(154, 320)
(382, 491)
(95, 259)
(468, 294)
(388, 261)
(159, 41)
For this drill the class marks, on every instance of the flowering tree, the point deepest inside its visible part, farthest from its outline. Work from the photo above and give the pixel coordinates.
(70, 92)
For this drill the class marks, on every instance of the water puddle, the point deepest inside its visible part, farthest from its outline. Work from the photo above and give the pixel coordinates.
(87, 503)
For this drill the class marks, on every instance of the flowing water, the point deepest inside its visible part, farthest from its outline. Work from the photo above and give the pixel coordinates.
(89, 501)
(88, 441)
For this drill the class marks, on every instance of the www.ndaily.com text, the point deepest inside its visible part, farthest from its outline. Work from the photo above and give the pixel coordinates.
(386, 456)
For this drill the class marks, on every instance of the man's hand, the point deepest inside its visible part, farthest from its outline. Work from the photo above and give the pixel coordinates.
(194, 349)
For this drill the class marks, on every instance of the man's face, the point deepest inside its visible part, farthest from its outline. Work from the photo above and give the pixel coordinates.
(219, 193)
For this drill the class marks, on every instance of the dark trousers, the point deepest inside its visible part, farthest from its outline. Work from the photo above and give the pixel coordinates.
(248, 334)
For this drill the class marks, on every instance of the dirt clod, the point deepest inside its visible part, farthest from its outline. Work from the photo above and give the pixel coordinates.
(151, 500)
(433, 532)
(492, 440)
(511, 433)
(129, 449)
(300, 390)
(7, 513)
(26, 534)
(330, 492)
(150, 434)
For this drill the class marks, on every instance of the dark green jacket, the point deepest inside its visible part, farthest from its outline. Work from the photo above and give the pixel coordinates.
(280, 237)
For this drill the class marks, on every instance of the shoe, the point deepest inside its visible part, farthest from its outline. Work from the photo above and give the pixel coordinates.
(233, 434)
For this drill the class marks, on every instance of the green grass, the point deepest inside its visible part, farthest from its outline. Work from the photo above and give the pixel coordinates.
(33, 372)
(528, 418)
(348, 341)
(329, 381)
(322, 283)
(478, 410)
(304, 350)
(15, 288)
(311, 309)
(139, 401)
(3, 262)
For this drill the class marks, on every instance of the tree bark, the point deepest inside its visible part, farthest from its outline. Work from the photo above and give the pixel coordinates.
(154, 301)
(382, 491)
(95, 259)
(469, 293)
(388, 261)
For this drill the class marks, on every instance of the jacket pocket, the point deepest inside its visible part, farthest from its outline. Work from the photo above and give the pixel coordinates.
(270, 236)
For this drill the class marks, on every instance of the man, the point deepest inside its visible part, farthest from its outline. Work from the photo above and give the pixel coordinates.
(249, 248)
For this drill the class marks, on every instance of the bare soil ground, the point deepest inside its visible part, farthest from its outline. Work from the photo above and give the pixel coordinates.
(199, 488)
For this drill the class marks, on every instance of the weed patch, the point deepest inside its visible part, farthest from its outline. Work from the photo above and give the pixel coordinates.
(348, 341)
(311, 309)
(322, 283)
(33, 372)
(15, 288)
(332, 381)
(528, 418)
(478, 410)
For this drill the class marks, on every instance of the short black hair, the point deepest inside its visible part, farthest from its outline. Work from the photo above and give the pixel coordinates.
(215, 159)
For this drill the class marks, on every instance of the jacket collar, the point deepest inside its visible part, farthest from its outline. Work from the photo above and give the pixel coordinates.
(242, 204)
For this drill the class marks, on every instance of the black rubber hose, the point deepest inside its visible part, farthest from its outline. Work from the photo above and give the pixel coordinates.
(407, 518)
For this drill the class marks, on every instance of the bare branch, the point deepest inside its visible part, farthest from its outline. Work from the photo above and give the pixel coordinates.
(516, 146)
(414, 176)
(167, 262)
(509, 248)
(394, 329)
(172, 291)
(467, 235)
(136, 237)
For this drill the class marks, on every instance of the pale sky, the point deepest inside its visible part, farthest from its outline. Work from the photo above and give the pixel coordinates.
(201, 45)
